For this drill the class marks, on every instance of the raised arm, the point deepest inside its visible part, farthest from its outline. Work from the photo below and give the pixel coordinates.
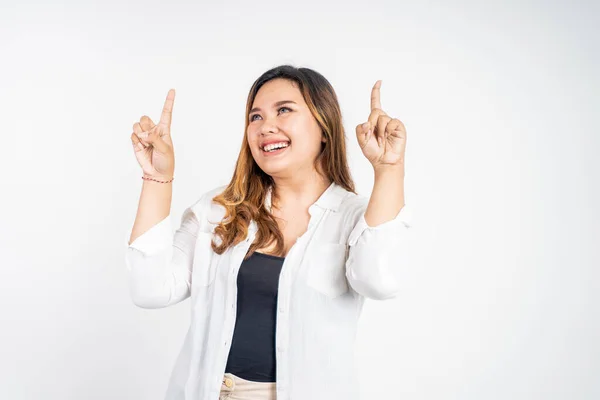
(159, 263)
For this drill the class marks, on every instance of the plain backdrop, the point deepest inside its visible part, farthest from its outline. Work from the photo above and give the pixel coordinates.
(500, 101)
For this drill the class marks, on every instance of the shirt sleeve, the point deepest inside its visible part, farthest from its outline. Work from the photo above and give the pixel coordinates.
(377, 255)
(159, 263)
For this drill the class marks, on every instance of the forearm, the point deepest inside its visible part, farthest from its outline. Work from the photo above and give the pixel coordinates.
(387, 197)
(154, 206)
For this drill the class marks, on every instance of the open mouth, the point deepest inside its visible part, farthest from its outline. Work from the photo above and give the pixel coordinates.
(277, 150)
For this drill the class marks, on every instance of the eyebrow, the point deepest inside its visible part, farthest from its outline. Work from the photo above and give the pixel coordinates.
(277, 104)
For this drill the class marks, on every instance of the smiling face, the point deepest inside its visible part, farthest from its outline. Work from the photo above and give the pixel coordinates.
(279, 114)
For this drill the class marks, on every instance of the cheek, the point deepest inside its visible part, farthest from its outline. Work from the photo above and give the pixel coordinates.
(251, 138)
(308, 128)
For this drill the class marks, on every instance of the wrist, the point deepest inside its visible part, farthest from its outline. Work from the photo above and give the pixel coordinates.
(158, 178)
(397, 169)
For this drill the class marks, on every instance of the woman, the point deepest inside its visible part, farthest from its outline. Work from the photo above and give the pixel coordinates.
(279, 261)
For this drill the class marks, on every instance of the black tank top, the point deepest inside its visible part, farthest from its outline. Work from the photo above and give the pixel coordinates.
(252, 353)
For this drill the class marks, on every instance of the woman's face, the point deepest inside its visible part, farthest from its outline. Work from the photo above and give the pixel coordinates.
(280, 114)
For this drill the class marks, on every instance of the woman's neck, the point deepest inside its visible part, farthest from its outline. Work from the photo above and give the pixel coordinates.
(299, 192)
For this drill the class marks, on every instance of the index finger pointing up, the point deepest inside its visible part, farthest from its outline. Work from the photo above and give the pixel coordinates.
(375, 99)
(165, 117)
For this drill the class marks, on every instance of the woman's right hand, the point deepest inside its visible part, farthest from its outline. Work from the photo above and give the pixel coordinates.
(152, 143)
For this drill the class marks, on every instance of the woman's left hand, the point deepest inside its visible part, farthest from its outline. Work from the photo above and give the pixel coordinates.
(382, 139)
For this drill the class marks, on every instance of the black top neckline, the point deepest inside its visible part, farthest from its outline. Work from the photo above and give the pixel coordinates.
(269, 255)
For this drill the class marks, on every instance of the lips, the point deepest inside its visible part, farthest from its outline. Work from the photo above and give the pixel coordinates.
(272, 141)
(275, 152)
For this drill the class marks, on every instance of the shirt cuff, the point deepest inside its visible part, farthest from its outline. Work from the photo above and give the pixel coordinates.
(156, 239)
(403, 219)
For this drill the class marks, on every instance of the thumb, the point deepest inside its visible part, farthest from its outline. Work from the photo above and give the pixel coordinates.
(157, 142)
(363, 133)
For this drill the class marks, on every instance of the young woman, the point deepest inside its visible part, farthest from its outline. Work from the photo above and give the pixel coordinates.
(279, 261)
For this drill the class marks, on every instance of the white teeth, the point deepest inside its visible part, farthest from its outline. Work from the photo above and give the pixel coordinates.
(274, 146)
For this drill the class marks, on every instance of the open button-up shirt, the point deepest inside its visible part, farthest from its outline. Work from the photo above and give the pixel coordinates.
(326, 276)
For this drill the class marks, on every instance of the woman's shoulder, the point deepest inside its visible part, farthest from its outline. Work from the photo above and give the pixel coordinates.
(206, 210)
(353, 203)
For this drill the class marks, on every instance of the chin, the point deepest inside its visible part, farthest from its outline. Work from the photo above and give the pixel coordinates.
(276, 170)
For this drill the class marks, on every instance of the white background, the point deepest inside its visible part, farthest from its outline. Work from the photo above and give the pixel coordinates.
(500, 101)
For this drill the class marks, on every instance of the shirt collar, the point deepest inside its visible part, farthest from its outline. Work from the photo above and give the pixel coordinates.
(330, 199)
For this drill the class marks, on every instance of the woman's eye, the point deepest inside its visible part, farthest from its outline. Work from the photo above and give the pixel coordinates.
(279, 109)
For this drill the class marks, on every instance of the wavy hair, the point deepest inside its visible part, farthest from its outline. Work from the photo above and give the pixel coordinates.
(244, 196)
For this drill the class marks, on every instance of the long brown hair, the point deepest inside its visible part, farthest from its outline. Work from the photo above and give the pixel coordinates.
(244, 197)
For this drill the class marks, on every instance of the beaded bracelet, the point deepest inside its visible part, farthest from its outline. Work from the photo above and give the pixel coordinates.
(151, 179)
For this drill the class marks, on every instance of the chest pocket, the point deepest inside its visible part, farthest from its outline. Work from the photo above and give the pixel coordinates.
(327, 269)
(204, 270)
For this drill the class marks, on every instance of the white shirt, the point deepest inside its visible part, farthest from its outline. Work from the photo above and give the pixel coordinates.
(326, 276)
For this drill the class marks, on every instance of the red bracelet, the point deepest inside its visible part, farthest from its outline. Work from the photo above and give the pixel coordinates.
(151, 179)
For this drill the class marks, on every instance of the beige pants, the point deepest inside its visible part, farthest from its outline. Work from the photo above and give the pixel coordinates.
(236, 388)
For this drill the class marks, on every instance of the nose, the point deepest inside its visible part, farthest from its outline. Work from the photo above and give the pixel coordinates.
(268, 127)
